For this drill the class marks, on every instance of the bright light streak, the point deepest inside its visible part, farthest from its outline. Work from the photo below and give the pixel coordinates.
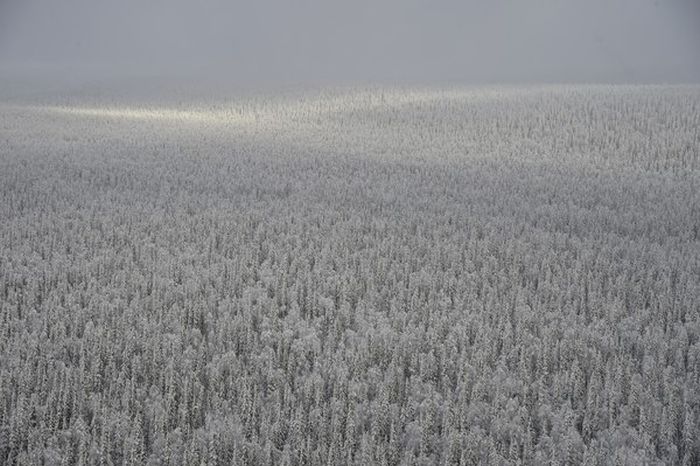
(154, 114)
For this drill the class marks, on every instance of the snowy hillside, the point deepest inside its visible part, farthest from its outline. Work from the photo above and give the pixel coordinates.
(383, 276)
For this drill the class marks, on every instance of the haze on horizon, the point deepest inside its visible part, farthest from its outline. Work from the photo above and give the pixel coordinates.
(311, 41)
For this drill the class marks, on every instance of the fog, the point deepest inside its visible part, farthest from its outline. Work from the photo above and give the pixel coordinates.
(405, 41)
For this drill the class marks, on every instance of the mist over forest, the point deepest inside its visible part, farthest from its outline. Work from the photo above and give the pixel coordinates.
(328, 233)
(312, 42)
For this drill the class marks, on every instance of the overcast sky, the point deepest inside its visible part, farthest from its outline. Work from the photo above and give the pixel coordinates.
(362, 40)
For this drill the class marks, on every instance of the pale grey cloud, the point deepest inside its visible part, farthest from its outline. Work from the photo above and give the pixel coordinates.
(405, 41)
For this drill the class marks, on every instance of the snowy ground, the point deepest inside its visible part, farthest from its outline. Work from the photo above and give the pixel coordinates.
(390, 276)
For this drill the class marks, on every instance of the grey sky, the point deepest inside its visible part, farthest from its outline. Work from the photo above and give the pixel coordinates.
(363, 40)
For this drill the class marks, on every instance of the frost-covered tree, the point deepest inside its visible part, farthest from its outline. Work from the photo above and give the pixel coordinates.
(456, 276)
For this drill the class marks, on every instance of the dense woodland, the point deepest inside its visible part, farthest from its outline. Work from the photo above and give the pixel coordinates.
(373, 276)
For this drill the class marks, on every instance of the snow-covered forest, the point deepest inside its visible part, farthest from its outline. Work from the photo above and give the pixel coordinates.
(352, 276)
